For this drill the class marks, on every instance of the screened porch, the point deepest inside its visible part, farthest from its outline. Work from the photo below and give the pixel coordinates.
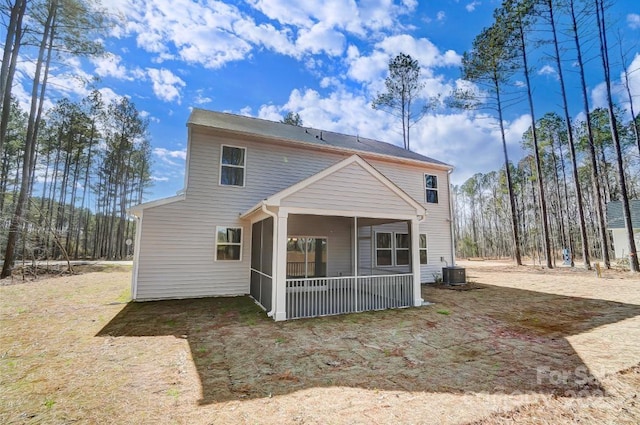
(335, 265)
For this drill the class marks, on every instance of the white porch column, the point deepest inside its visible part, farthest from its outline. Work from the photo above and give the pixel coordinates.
(280, 273)
(415, 262)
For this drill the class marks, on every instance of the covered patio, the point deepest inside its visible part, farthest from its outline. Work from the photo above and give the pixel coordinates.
(318, 250)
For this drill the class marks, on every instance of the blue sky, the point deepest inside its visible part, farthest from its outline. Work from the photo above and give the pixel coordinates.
(325, 60)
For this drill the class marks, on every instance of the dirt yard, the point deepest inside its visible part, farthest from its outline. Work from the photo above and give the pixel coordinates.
(522, 345)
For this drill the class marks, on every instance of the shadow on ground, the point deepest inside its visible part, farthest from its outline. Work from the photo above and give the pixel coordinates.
(492, 340)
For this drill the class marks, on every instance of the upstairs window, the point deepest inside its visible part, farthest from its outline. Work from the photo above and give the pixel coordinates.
(431, 188)
(232, 166)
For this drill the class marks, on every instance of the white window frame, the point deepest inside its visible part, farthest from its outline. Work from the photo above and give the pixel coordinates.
(396, 249)
(425, 249)
(426, 189)
(215, 252)
(244, 166)
(390, 249)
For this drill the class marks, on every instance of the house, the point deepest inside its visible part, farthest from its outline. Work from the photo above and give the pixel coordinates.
(615, 223)
(308, 222)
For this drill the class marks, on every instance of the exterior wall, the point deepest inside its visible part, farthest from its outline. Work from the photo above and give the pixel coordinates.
(351, 188)
(621, 244)
(437, 224)
(177, 245)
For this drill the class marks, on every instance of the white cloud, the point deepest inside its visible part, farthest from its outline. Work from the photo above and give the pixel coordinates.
(472, 6)
(319, 38)
(168, 156)
(201, 99)
(166, 85)
(159, 179)
(633, 19)
(453, 138)
(547, 70)
(441, 16)
(214, 33)
(373, 67)
(109, 66)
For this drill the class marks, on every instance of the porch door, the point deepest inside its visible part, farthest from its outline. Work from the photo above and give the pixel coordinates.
(306, 257)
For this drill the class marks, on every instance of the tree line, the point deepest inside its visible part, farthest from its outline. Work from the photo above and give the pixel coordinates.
(68, 173)
(556, 196)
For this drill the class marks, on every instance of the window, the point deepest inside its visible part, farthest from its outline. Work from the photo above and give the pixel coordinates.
(228, 243)
(423, 248)
(232, 166)
(306, 257)
(431, 188)
(384, 249)
(393, 249)
(402, 249)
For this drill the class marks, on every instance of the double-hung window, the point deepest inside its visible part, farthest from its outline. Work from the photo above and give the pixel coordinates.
(431, 188)
(232, 166)
(384, 249)
(402, 249)
(228, 243)
(392, 249)
(423, 248)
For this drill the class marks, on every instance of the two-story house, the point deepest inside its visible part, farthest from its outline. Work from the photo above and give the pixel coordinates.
(308, 222)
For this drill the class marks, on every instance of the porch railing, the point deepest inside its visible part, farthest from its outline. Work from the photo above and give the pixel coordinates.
(312, 297)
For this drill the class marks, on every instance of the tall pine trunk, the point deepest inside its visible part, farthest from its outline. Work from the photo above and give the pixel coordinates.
(603, 239)
(626, 210)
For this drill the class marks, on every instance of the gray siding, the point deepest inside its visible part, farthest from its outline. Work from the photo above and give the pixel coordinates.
(437, 224)
(350, 189)
(176, 252)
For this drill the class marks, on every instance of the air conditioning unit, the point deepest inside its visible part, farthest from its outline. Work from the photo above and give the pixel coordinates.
(454, 275)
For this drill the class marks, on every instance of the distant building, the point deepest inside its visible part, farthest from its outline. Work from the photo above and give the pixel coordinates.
(615, 223)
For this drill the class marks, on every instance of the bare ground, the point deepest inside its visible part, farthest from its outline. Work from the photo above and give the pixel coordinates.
(525, 345)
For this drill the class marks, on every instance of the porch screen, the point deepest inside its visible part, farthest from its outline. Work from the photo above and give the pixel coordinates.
(306, 257)
(261, 262)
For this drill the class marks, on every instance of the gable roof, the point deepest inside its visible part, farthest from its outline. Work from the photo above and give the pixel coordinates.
(304, 135)
(615, 217)
(386, 188)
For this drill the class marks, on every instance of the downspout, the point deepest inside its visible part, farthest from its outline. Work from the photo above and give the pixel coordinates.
(451, 227)
(274, 259)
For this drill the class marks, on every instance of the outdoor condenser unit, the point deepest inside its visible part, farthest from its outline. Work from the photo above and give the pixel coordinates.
(454, 275)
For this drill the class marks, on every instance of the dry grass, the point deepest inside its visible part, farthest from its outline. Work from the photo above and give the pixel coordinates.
(523, 345)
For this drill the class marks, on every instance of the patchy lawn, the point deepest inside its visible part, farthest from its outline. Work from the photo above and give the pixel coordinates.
(522, 344)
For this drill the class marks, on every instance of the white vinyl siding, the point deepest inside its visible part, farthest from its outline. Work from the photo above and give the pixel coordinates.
(350, 189)
(437, 223)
